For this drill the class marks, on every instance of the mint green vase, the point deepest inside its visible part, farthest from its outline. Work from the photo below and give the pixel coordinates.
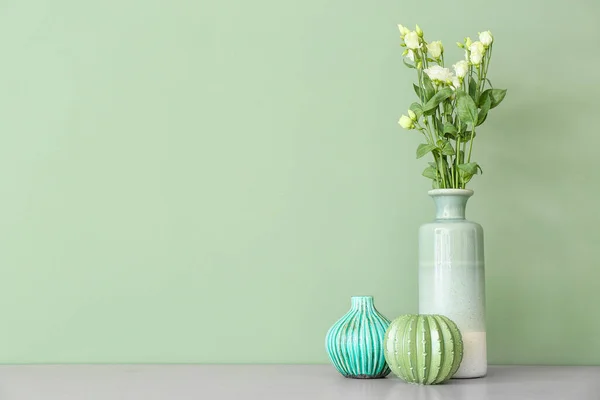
(355, 342)
(424, 349)
(452, 276)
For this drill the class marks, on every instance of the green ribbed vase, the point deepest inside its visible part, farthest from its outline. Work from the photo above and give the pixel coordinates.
(355, 342)
(424, 349)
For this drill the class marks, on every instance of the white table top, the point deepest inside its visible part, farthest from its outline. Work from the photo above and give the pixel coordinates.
(281, 382)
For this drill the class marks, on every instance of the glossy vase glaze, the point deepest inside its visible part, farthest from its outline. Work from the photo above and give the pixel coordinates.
(452, 277)
(355, 342)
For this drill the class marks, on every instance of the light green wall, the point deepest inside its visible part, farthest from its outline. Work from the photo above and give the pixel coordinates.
(211, 181)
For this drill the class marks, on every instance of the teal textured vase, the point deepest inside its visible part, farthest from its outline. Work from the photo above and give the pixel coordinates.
(424, 349)
(355, 342)
(452, 277)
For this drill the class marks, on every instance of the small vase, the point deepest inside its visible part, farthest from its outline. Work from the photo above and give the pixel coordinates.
(452, 277)
(355, 342)
(424, 349)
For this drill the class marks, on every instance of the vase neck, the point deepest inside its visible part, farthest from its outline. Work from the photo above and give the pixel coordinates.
(362, 303)
(450, 203)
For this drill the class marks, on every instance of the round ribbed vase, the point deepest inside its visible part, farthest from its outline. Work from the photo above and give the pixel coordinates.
(355, 342)
(451, 275)
(424, 349)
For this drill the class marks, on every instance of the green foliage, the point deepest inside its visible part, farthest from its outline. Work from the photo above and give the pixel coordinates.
(485, 108)
(408, 65)
(465, 107)
(418, 90)
(431, 173)
(495, 95)
(428, 88)
(472, 88)
(449, 112)
(446, 148)
(424, 149)
(432, 104)
(417, 109)
(449, 130)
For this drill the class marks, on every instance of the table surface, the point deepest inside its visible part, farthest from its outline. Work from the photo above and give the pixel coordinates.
(282, 382)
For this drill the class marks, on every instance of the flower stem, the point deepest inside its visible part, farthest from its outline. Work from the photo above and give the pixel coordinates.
(471, 144)
(437, 179)
(462, 185)
(442, 170)
(420, 76)
(457, 161)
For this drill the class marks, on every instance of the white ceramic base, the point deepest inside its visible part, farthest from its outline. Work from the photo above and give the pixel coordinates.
(474, 363)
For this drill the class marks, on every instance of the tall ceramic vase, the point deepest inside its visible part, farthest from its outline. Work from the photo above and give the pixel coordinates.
(451, 275)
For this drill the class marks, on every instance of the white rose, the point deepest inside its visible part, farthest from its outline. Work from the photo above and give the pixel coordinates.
(456, 82)
(477, 51)
(406, 122)
(461, 68)
(486, 38)
(411, 55)
(403, 30)
(476, 58)
(412, 40)
(439, 74)
(435, 49)
(419, 31)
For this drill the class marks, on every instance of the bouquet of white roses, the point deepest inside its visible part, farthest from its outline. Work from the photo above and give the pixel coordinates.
(451, 104)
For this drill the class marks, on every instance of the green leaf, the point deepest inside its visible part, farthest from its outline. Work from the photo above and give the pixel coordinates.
(432, 165)
(448, 135)
(485, 107)
(467, 171)
(465, 178)
(440, 123)
(466, 108)
(428, 86)
(469, 168)
(482, 120)
(472, 88)
(424, 149)
(447, 148)
(448, 109)
(495, 95)
(450, 129)
(418, 90)
(417, 109)
(435, 101)
(430, 173)
(466, 136)
(407, 64)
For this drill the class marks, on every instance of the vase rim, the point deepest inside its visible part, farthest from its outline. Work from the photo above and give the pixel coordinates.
(451, 192)
(361, 297)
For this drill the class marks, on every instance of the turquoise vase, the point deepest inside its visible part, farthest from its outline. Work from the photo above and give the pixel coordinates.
(452, 276)
(355, 342)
